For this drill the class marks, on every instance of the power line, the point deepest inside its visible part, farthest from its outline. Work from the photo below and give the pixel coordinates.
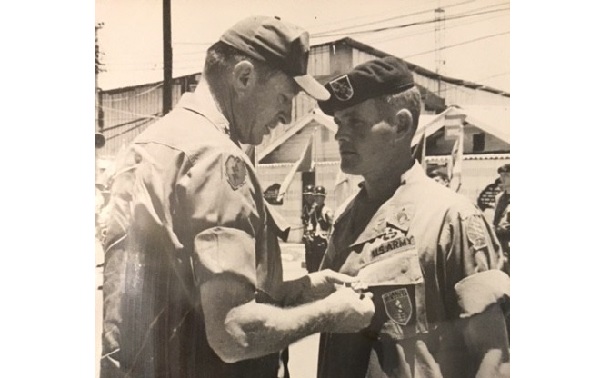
(389, 19)
(339, 22)
(429, 30)
(413, 24)
(358, 18)
(456, 44)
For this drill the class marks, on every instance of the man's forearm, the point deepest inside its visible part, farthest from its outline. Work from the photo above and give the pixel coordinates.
(261, 329)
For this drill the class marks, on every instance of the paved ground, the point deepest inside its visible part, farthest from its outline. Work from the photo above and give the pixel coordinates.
(303, 354)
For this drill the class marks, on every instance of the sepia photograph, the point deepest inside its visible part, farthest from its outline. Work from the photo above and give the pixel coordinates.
(315, 189)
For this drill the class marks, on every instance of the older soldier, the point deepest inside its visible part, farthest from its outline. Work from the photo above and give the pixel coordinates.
(425, 252)
(193, 279)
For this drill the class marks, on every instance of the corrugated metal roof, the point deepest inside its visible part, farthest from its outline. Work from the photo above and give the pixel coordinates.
(413, 67)
(154, 77)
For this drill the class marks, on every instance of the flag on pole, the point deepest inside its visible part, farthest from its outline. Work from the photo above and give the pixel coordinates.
(455, 165)
(305, 163)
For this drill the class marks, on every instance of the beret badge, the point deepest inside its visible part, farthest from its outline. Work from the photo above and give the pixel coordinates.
(342, 88)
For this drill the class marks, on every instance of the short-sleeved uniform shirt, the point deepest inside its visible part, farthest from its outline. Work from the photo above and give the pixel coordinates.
(410, 251)
(186, 206)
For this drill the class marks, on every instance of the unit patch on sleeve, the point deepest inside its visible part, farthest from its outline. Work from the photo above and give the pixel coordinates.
(235, 170)
(398, 306)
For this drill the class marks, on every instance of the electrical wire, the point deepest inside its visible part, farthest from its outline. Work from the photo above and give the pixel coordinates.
(418, 23)
(389, 19)
(455, 45)
(429, 30)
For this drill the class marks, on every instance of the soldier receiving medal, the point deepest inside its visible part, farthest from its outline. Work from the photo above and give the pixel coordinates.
(425, 253)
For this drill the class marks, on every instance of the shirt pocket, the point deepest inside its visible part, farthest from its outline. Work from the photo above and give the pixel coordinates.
(390, 257)
(391, 271)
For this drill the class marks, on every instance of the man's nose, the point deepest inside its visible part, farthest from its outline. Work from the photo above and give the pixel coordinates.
(286, 115)
(285, 106)
(342, 136)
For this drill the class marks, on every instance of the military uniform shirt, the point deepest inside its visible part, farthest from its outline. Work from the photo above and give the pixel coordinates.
(186, 206)
(412, 252)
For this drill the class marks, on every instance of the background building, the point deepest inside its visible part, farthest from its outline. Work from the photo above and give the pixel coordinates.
(123, 113)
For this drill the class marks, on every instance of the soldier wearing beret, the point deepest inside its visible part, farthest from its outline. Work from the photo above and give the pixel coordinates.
(426, 254)
(193, 278)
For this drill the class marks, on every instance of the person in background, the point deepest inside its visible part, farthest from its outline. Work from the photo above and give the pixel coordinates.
(487, 198)
(425, 253)
(308, 207)
(502, 212)
(440, 177)
(193, 280)
(320, 221)
(308, 204)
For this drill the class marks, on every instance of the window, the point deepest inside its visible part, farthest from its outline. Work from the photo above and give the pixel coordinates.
(478, 142)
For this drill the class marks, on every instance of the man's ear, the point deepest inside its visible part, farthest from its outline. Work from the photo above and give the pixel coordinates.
(404, 124)
(244, 77)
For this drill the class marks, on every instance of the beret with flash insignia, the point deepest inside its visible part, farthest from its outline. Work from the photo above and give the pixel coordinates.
(387, 75)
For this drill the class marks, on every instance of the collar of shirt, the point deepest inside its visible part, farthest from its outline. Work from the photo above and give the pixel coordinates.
(414, 175)
(202, 102)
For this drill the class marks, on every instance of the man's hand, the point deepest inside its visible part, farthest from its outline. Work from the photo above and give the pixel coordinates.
(351, 311)
(323, 283)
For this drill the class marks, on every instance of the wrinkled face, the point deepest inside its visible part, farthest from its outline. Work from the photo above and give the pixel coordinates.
(365, 139)
(268, 104)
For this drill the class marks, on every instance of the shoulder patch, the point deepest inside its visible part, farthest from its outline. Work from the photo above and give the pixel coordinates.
(402, 217)
(475, 230)
(398, 306)
(235, 170)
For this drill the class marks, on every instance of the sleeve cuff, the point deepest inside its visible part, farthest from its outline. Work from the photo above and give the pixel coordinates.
(224, 250)
(478, 291)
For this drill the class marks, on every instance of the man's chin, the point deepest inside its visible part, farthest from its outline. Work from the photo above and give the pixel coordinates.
(348, 167)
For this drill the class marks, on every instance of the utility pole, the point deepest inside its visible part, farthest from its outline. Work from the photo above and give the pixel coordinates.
(98, 69)
(440, 16)
(167, 58)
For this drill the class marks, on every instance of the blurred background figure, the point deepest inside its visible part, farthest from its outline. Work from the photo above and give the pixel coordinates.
(320, 219)
(308, 206)
(487, 198)
(439, 176)
(502, 213)
(308, 202)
